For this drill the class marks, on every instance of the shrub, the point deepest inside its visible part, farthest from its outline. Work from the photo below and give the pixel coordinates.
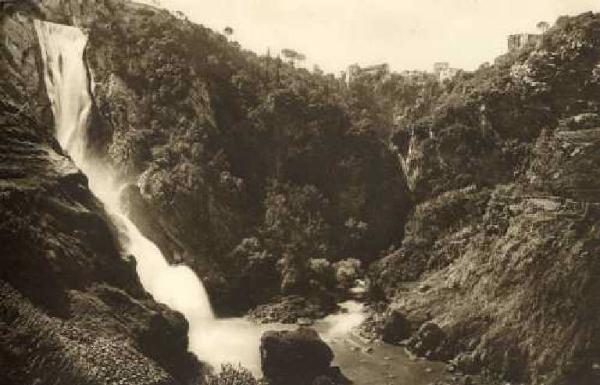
(347, 271)
(232, 375)
(322, 271)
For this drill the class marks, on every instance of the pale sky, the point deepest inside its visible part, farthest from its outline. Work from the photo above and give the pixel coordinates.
(407, 34)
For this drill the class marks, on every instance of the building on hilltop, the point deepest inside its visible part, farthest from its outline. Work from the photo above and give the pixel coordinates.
(355, 71)
(415, 76)
(443, 71)
(448, 74)
(520, 40)
(439, 67)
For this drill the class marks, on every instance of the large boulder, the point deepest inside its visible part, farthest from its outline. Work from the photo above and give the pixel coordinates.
(429, 341)
(396, 327)
(296, 357)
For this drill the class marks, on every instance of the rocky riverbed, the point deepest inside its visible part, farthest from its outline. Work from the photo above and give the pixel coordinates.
(361, 361)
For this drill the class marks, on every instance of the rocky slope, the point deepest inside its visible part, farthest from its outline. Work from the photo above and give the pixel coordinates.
(72, 310)
(499, 265)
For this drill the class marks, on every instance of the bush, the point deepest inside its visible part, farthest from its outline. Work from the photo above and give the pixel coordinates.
(294, 230)
(323, 272)
(232, 375)
(347, 271)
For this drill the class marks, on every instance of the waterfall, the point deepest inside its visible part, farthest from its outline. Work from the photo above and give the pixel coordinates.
(215, 341)
(66, 79)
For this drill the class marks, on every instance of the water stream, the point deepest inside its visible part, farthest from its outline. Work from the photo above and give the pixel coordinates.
(66, 79)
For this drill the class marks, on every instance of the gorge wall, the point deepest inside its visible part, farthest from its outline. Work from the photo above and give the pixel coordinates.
(501, 250)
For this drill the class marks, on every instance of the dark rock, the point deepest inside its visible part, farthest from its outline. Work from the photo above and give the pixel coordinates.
(305, 321)
(395, 327)
(323, 380)
(467, 363)
(334, 376)
(294, 357)
(429, 341)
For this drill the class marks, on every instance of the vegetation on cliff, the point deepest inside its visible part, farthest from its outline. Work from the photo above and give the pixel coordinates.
(502, 246)
(227, 146)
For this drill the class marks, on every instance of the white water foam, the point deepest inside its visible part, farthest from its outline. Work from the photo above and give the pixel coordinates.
(66, 79)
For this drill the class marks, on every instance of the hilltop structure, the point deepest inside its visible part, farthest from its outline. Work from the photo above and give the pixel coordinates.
(414, 75)
(440, 66)
(355, 71)
(443, 71)
(520, 40)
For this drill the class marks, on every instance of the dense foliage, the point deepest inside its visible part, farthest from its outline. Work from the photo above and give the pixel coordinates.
(228, 146)
(232, 375)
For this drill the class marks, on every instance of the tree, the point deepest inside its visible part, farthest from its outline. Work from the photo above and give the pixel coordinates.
(542, 26)
(293, 55)
(295, 230)
(230, 374)
(228, 31)
(267, 63)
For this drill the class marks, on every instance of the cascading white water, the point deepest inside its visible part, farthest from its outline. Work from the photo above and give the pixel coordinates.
(66, 79)
(213, 341)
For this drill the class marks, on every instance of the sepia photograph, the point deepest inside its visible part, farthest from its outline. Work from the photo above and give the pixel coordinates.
(300, 192)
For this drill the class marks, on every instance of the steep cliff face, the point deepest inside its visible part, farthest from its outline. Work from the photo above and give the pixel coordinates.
(72, 308)
(502, 250)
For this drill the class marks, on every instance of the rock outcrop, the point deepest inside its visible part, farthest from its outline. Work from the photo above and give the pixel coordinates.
(297, 357)
(72, 310)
